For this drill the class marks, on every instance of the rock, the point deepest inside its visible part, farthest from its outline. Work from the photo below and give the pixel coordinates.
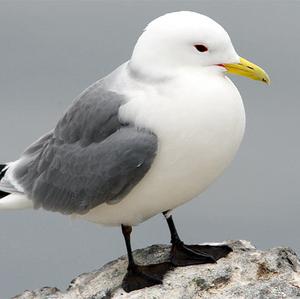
(244, 273)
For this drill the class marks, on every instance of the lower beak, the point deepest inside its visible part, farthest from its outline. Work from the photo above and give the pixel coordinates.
(248, 69)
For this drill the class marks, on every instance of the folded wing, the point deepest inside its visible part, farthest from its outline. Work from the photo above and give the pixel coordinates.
(88, 159)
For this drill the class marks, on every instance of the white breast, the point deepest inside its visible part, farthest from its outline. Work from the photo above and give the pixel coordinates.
(199, 128)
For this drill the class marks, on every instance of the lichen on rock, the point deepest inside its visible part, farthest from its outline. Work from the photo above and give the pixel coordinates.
(244, 273)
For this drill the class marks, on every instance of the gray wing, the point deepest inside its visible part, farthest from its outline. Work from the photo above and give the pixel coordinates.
(88, 159)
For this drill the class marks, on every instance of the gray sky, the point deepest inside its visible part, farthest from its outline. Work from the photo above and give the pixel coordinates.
(51, 51)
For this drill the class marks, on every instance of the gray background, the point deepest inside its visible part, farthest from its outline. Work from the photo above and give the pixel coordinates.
(51, 51)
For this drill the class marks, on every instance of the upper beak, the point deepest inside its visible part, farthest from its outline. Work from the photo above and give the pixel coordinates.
(248, 69)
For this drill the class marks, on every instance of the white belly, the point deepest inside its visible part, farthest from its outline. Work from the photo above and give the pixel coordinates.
(198, 137)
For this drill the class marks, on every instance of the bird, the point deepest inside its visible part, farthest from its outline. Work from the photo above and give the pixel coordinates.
(147, 138)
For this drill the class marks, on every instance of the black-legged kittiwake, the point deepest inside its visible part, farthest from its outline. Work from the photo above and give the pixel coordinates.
(144, 140)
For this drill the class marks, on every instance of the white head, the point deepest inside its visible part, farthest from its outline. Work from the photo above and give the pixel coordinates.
(171, 41)
(187, 39)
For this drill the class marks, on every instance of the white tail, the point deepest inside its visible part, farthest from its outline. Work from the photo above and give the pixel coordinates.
(15, 201)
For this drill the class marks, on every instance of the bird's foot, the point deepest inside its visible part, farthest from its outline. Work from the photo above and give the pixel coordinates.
(186, 255)
(139, 277)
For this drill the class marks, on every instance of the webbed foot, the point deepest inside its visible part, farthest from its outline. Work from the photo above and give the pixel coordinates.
(186, 255)
(139, 277)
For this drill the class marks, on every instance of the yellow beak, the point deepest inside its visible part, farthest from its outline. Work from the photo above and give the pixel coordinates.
(248, 69)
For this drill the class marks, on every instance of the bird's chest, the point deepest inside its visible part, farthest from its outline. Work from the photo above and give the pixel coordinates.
(190, 120)
(199, 130)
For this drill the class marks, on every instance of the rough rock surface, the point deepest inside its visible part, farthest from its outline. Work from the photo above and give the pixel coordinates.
(244, 273)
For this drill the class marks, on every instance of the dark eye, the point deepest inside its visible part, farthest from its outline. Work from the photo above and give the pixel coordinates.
(201, 48)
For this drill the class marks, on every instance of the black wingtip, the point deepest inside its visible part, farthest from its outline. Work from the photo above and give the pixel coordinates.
(2, 170)
(3, 194)
(2, 173)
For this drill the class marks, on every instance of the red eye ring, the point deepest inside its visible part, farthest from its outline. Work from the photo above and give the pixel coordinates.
(201, 48)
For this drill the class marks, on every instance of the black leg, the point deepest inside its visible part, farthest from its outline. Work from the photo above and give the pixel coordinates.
(174, 235)
(137, 276)
(126, 230)
(184, 255)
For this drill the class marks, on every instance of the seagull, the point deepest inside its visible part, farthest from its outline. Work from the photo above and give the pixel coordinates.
(147, 138)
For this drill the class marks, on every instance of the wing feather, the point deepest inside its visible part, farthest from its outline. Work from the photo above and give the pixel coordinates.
(88, 159)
